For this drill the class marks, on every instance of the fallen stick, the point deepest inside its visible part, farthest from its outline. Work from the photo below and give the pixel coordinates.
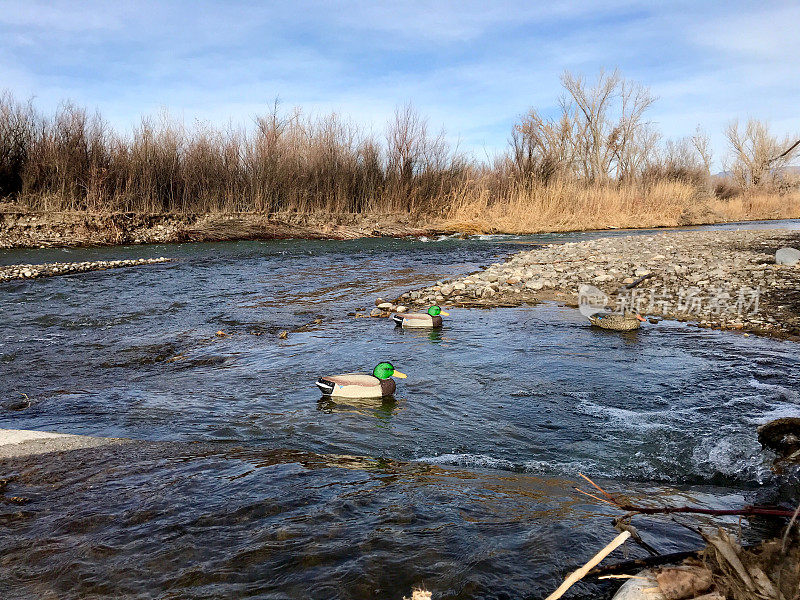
(643, 563)
(632, 285)
(577, 575)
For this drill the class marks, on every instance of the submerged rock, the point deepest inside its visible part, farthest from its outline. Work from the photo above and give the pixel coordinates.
(782, 436)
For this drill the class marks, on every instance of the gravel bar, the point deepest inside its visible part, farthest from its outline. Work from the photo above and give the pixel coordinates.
(8, 273)
(715, 279)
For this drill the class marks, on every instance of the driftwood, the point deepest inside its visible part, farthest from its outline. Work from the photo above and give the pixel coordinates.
(766, 571)
(633, 284)
(576, 576)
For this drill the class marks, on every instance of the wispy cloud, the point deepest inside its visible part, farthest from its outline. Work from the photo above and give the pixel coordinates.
(473, 67)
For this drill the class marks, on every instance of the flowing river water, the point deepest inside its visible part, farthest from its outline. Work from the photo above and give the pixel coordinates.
(248, 484)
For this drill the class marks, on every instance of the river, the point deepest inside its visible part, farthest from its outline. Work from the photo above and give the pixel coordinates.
(248, 484)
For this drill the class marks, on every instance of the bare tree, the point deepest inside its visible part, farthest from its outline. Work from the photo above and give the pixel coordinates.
(609, 131)
(592, 125)
(631, 138)
(702, 147)
(758, 156)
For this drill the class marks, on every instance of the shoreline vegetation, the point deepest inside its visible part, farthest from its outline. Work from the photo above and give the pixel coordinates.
(595, 162)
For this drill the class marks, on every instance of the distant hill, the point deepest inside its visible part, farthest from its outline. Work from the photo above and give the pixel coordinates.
(790, 170)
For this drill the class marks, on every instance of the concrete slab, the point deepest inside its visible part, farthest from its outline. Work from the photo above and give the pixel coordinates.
(25, 442)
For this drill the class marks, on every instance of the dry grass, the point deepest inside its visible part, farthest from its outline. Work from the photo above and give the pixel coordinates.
(571, 206)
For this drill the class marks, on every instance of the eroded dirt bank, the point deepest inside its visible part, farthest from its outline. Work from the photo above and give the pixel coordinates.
(721, 279)
(32, 230)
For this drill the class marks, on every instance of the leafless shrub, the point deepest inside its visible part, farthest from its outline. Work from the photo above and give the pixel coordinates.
(724, 188)
(678, 160)
(16, 128)
(542, 148)
(701, 143)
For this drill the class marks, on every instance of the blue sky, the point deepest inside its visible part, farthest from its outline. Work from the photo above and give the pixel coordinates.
(471, 67)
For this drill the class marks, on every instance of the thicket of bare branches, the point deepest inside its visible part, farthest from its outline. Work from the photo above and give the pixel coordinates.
(289, 161)
(599, 137)
(759, 158)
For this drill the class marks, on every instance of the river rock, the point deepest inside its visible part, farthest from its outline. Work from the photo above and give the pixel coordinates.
(535, 284)
(787, 256)
(782, 436)
(384, 306)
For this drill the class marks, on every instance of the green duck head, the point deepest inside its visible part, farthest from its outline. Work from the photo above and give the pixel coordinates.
(435, 311)
(385, 370)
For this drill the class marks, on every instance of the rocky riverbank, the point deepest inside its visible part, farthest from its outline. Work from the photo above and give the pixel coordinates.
(719, 279)
(50, 269)
(41, 230)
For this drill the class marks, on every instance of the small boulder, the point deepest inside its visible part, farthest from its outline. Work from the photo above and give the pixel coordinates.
(385, 305)
(782, 436)
(376, 312)
(787, 256)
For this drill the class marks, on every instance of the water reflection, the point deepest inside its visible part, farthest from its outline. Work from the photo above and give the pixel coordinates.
(382, 409)
(433, 335)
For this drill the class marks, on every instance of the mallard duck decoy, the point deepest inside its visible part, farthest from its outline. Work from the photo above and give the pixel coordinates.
(430, 319)
(361, 385)
(617, 321)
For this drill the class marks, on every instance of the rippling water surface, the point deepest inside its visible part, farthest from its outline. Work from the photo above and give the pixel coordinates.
(461, 482)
